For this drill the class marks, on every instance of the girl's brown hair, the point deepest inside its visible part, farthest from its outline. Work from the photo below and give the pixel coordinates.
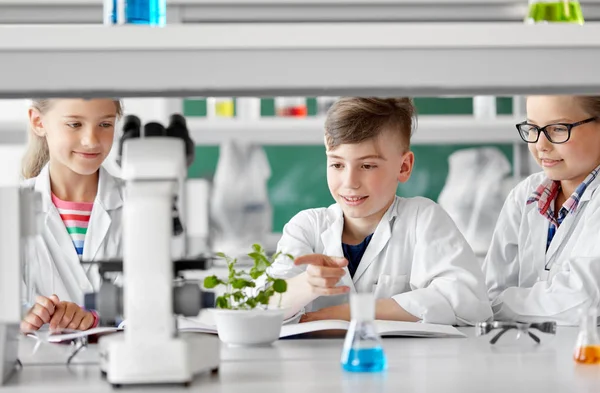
(590, 104)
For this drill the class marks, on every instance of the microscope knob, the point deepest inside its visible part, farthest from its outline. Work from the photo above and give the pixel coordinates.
(132, 123)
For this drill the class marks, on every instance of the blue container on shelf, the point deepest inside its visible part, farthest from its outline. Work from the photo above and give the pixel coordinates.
(136, 12)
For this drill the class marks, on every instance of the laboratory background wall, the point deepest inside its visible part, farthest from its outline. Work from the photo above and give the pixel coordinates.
(298, 179)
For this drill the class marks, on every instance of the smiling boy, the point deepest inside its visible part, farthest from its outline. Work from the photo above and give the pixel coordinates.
(406, 250)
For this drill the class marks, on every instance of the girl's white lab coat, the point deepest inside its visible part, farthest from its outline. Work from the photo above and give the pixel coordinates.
(525, 282)
(57, 268)
(417, 256)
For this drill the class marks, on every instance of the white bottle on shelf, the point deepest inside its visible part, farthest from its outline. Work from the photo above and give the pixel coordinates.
(248, 108)
(484, 107)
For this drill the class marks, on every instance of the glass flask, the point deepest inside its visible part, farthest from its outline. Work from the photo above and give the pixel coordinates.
(587, 347)
(363, 351)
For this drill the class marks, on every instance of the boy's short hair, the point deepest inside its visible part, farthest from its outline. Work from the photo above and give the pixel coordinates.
(356, 119)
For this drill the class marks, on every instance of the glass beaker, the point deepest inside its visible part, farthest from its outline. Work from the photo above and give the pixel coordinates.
(587, 347)
(138, 12)
(551, 11)
(363, 351)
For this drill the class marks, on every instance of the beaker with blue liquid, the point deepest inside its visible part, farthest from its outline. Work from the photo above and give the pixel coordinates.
(363, 350)
(137, 12)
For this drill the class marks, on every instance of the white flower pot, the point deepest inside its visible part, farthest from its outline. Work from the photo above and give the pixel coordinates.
(248, 327)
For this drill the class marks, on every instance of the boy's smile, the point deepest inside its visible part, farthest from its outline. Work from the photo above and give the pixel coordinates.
(363, 177)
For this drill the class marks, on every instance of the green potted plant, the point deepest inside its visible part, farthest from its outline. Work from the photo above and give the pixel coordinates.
(244, 313)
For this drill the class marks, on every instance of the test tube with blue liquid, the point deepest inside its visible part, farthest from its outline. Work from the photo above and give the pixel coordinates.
(137, 12)
(363, 351)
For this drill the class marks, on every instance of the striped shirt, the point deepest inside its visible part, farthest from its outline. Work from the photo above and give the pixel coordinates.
(545, 195)
(76, 217)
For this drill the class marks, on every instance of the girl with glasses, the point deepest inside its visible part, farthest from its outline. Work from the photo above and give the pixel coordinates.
(544, 259)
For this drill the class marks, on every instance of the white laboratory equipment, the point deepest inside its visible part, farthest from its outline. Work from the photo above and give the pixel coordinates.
(18, 227)
(151, 350)
(474, 193)
(240, 211)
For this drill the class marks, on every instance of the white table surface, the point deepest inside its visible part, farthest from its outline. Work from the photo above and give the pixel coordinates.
(312, 365)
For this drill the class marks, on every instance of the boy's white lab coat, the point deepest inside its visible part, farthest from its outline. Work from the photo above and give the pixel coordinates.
(519, 285)
(417, 256)
(58, 269)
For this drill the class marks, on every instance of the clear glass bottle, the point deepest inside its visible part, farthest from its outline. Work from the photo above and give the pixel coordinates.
(138, 12)
(587, 348)
(549, 11)
(363, 351)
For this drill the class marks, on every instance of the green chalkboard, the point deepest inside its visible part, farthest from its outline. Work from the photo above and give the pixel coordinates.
(298, 180)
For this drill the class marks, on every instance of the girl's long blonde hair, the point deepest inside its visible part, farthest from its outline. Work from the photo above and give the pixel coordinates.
(37, 153)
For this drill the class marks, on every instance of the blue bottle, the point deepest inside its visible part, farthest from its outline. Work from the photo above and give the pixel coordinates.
(363, 351)
(138, 12)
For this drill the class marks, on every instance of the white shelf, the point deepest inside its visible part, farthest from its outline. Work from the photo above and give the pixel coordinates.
(277, 2)
(310, 131)
(298, 59)
(257, 11)
(199, 11)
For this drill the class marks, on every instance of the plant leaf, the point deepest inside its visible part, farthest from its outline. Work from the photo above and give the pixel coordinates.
(263, 297)
(255, 273)
(279, 285)
(211, 282)
(240, 283)
(222, 302)
(260, 260)
(251, 302)
(238, 295)
(257, 248)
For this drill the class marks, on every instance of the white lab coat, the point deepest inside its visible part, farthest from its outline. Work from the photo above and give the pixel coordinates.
(417, 256)
(57, 267)
(519, 285)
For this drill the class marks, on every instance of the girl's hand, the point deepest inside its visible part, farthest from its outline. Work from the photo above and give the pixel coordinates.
(40, 314)
(69, 315)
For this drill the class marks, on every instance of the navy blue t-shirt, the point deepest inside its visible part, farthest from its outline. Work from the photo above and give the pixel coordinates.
(354, 253)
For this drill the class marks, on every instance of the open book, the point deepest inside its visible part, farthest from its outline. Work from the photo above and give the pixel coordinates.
(384, 328)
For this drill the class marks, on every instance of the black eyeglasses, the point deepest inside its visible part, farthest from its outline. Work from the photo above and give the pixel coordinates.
(556, 133)
(483, 328)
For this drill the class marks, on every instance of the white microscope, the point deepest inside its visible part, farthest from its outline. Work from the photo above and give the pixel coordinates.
(151, 350)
